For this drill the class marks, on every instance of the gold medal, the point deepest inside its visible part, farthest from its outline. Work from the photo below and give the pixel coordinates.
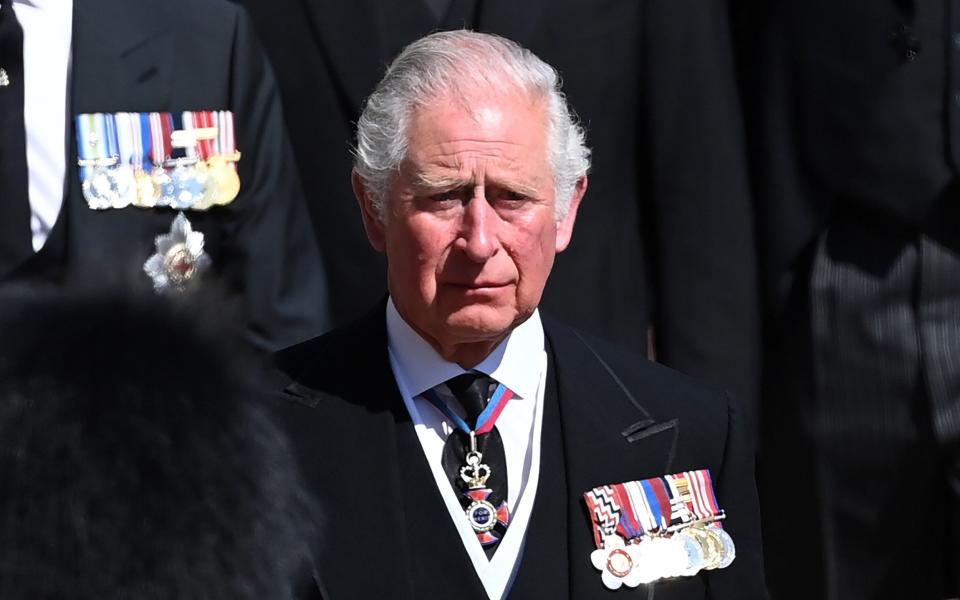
(712, 547)
(729, 550)
(147, 192)
(209, 195)
(223, 178)
(693, 551)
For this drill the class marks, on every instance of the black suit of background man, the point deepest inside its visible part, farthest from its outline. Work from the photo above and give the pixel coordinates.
(665, 238)
(855, 127)
(151, 55)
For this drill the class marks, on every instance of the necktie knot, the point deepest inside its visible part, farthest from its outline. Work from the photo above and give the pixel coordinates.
(472, 390)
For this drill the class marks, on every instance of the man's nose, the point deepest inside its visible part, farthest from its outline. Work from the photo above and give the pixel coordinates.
(478, 234)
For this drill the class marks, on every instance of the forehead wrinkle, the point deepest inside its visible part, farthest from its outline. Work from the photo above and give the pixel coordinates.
(443, 181)
(445, 167)
(451, 154)
(454, 170)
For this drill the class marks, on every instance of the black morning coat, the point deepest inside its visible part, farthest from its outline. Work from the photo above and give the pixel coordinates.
(609, 417)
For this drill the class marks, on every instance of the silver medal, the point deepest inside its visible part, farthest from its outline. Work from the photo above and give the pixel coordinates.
(179, 259)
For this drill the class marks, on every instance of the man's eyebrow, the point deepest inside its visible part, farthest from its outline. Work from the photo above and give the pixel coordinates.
(427, 181)
(439, 181)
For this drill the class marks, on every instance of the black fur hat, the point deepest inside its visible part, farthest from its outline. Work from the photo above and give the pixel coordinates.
(135, 460)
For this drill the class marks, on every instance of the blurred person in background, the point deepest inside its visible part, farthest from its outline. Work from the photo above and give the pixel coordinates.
(142, 146)
(855, 138)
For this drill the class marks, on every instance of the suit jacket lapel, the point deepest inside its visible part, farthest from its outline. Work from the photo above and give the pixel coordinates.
(114, 62)
(609, 437)
(543, 570)
(361, 478)
(419, 550)
(602, 422)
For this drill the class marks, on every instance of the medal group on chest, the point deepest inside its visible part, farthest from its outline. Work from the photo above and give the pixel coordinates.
(185, 161)
(657, 528)
(181, 160)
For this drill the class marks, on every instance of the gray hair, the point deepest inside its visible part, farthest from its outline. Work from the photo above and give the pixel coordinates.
(445, 63)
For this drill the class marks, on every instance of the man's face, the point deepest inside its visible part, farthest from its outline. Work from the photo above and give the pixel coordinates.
(470, 230)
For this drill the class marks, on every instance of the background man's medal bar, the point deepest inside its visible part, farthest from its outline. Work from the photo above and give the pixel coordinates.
(185, 161)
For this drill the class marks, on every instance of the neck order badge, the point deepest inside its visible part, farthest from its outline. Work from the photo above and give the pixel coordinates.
(481, 513)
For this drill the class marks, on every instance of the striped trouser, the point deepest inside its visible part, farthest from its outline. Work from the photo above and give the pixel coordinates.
(878, 425)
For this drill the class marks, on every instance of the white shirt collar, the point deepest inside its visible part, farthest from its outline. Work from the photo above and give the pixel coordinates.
(515, 362)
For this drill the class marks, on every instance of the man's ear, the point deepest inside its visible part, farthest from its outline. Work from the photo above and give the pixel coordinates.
(565, 225)
(372, 222)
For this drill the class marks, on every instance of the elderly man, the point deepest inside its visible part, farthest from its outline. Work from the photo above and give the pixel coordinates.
(463, 446)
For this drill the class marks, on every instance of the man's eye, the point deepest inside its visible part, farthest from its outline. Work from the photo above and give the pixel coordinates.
(447, 196)
(511, 196)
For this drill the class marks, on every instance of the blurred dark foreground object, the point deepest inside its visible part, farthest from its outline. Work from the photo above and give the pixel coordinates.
(134, 460)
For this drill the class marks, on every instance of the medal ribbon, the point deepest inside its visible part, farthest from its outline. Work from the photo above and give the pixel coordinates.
(641, 506)
(486, 420)
(144, 143)
(656, 493)
(189, 124)
(637, 508)
(225, 144)
(679, 507)
(86, 149)
(706, 490)
(126, 136)
(204, 119)
(696, 490)
(160, 128)
(139, 141)
(689, 489)
(110, 135)
(629, 525)
(177, 124)
(605, 510)
(93, 140)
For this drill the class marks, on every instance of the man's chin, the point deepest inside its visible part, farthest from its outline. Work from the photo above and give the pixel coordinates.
(480, 322)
